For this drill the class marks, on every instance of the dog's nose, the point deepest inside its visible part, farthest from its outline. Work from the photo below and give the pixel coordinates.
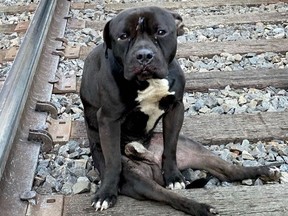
(144, 56)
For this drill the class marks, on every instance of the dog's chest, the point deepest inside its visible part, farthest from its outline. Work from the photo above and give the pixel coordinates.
(149, 100)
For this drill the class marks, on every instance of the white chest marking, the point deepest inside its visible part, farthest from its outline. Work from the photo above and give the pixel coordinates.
(149, 99)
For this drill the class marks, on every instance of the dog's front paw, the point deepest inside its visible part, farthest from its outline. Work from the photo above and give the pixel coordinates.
(174, 180)
(104, 199)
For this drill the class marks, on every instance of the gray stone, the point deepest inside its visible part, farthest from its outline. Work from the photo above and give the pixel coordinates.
(238, 57)
(228, 184)
(50, 180)
(42, 172)
(279, 159)
(74, 155)
(285, 159)
(67, 188)
(258, 182)
(247, 182)
(60, 171)
(80, 163)
(284, 178)
(270, 157)
(242, 100)
(63, 151)
(60, 160)
(226, 155)
(212, 183)
(58, 186)
(205, 110)
(211, 102)
(181, 39)
(76, 110)
(246, 145)
(82, 185)
(44, 189)
(93, 188)
(72, 146)
(250, 55)
(85, 151)
(247, 156)
(93, 175)
(275, 102)
(199, 104)
(77, 171)
(218, 110)
(250, 163)
(282, 102)
(236, 147)
(28, 195)
(256, 152)
(252, 104)
(43, 163)
(284, 150)
(265, 105)
(241, 109)
(284, 168)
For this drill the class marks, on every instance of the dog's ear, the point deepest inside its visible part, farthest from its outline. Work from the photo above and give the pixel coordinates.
(179, 23)
(106, 35)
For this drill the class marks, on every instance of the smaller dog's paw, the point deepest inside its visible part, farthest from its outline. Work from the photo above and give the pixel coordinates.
(208, 210)
(273, 174)
(213, 211)
(203, 210)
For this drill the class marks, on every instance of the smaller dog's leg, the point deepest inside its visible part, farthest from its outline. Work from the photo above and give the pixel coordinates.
(202, 158)
(191, 154)
(142, 187)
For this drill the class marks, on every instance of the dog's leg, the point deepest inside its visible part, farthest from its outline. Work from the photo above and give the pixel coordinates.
(109, 133)
(191, 154)
(143, 187)
(172, 123)
(94, 140)
(106, 196)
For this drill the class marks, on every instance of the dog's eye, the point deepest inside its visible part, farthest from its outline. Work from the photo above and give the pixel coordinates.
(123, 36)
(161, 32)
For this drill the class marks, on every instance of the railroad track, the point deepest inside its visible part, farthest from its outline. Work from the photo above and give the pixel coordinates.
(38, 76)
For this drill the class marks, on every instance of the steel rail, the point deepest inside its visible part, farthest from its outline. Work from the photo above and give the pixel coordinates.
(15, 91)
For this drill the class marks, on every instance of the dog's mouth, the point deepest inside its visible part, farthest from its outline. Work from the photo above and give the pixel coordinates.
(145, 73)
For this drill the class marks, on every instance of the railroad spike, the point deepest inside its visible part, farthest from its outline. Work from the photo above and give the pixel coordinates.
(62, 39)
(42, 136)
(46, 106)
(59, 53)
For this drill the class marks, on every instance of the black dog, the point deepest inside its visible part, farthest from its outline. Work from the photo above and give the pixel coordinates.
(128, 84)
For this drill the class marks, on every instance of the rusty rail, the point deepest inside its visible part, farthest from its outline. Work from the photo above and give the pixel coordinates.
(17, 85)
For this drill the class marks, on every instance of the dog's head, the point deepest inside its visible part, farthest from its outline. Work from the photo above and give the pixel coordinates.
(144, 41)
